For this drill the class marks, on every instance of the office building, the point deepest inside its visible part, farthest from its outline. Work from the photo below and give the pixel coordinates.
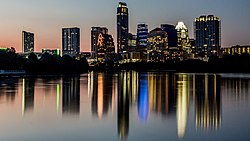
(27, 42)
(122, 27)
(106, 47)
(95, 32)
(172, 34)
(236, 50)
(208, 35)
(193, 48)
(102, 43)
(157, 44)
(182, 36)
(71, 41)
(132, 39)
(142, 37)
(183, 40)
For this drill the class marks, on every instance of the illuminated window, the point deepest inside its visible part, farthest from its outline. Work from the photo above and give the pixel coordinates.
(244, 50)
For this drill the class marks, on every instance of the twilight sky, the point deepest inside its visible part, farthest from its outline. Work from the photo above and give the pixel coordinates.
(46, 18)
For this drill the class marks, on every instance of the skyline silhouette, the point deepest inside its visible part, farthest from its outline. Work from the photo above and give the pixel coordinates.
(47, 18)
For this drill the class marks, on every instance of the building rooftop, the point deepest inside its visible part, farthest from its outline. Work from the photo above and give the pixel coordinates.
(180, 25)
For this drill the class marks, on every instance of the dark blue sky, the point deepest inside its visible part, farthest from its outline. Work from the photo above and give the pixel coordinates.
(46, 18)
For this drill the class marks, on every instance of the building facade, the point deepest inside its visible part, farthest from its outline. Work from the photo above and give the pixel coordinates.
(52, 51)
(132, 40)
(102, 43)
(208, 35)
(106, 47)
(183, 40)
(172, 34)
(182, 36)
(122, 27)
(142, 37)
(95, 33)
(236, 50)
(27, 42)
(157, 45)
(71, 41)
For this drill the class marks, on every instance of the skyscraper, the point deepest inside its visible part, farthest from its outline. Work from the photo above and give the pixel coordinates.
(182, 35)
(122, 27)
(102, 43)
(71, 41)
(95, 34)
(183, 40)
(142, 37)
(132, 42)
(157, 44)
(208, 35)
(172, 34)
(27, 42)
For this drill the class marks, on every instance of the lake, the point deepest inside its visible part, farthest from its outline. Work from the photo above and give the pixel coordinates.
(130, 106)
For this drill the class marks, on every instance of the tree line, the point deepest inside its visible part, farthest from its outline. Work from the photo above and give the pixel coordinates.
(54, 64)
(48, 63)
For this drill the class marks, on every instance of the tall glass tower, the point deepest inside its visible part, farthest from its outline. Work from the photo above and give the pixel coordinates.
(71, 41)
(27, 42)
(122, 27)
(208, 35)
(182, 35)
(95, 34)
(142, 37)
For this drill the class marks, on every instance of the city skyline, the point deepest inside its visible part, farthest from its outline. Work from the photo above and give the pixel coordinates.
(46, 19)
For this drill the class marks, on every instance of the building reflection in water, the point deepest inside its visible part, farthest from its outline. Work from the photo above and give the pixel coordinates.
(143, 102)
(182, 104)
(8, 89)
(235, 88)
(162, 93)
(100, 88)
(28, 95)
(71, 95)
(124, 87)
(208, 102)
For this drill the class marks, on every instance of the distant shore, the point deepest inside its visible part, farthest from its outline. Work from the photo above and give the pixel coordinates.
(14, 64)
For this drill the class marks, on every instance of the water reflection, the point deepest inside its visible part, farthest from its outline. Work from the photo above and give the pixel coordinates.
(126, 100)
(143, 98)
(208, 102)
(71, 95)
(8, 89)
(235, 88)
(28, 95)
(124, 95)
(182, 104)
(101, 90)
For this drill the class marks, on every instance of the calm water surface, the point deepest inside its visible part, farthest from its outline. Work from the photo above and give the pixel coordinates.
(126, 106)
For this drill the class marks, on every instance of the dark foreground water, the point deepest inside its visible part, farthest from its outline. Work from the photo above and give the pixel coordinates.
(151, 106)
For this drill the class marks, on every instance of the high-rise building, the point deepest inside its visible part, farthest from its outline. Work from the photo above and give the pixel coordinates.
(183, 40)
(158, 39)
(157, 44)
(182, 36)
(122, 27)
(28, 42)
(208, 35)
(132, 42)
(142, 37)
(102, 43)
(95, 32)
(193, 47)
(71, 41)
(172, 34)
